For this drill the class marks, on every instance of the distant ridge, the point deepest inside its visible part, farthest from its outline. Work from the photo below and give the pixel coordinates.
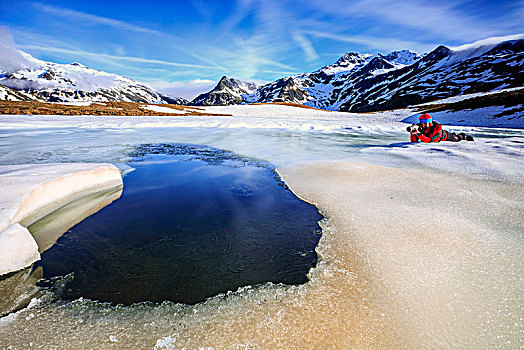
(355, 82)
(30, 78)
(363, 83)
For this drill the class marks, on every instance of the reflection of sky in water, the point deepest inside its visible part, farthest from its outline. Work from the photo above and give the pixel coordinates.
(187, 227)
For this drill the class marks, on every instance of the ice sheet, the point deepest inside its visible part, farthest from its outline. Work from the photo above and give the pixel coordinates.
(423, 253)
(264, 131)
(383, 281)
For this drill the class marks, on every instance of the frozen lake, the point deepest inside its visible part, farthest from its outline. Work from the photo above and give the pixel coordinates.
(192, 222)
(384, 279)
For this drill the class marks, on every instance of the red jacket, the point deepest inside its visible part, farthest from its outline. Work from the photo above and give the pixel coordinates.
(432, 134)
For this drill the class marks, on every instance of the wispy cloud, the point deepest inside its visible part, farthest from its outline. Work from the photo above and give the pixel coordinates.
(10, 58)
(203, 9)
(95, 56)
(93, 19)
(488, 42)
(177, 43)
(265, 39)
(519, 10)
(267, 45)
(262, 50)
(371, 42)
(442, 18)
(306, 45)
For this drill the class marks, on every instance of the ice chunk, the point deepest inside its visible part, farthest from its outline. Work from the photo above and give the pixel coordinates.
(32, 191)
(19, 249)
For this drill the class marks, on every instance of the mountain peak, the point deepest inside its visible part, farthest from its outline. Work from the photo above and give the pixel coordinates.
(402, 57)
(351, 57)
(349, 61)
(228, 91)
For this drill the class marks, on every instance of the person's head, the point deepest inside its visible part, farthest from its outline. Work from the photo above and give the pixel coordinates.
(425, 120)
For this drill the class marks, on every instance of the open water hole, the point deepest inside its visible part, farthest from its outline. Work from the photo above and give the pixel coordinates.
(192, 222)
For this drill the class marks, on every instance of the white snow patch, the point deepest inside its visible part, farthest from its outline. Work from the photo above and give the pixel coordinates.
(494, 158)
(19, 249)
(271, 111)
(166, 343)
(161, 109)
(494, 116)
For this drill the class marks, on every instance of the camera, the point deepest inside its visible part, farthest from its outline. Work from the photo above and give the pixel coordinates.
(413, 128)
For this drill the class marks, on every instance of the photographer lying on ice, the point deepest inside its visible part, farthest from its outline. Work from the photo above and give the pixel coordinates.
(431, 131)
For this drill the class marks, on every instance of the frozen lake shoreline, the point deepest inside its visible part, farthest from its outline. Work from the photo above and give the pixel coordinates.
(373, 287)
(30, 192)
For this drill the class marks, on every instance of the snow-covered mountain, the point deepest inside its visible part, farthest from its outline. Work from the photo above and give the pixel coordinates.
(8, 94)
(355, 82)
(316, 88)
(345, 63)
(362, 82)
(282, 90)
(228, 91)
(55, 82)
(442, 73)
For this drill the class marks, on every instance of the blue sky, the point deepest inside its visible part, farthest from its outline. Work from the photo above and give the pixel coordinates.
(185, 46)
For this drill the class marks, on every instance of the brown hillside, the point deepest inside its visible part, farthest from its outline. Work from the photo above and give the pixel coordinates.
(101, 108)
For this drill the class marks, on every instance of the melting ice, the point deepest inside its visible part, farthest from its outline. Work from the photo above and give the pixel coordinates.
(388, 276)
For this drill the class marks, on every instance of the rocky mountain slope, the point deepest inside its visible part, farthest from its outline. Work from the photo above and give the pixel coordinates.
(362, 82)
(440, 74)
(229, 91)
(8, 94)
(52, 82)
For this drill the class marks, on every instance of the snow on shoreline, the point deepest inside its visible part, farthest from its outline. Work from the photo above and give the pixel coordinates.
(459, 98)
(30, 192)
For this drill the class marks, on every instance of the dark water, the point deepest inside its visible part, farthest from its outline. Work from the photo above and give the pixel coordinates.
(192, 222)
